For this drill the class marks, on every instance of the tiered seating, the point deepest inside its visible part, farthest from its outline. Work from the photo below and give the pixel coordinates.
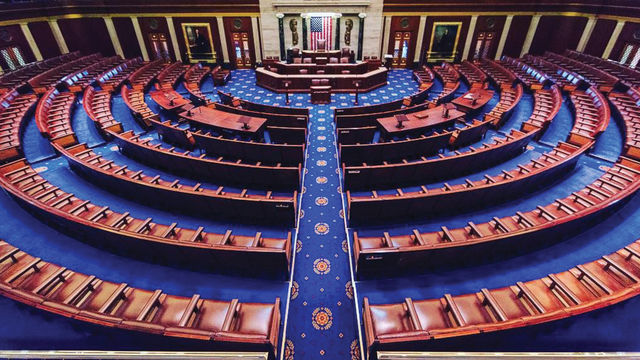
(121, 232)
(197, 199)
(592, 115)
(424, 145)
(193, 78)
(475, 76)
(134, 99)
(286, 154)
(391, 175)
(545, 107)
(424, 75)
(13, 109)
(500, 75)
(56, 289)
(626, 105)
(618, 183)
(201, 167)
(19, 77)
(450, 78)
(499, 235)
(53, 117)
(77, 81)
(566, 80)
(509, 99)
(464, 196)
(42, 82)
(112, 79)
(600, 79)
(624, 73)
(530, 77)
(97, 104)
(142, 77)
(170, 75)
(415, 323)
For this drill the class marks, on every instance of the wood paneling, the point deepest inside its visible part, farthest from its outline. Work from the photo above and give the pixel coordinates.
(177, 23)
(125, 7)
(604, 7)
(155, 25)
(488, 24)
(557, 33)
(43, 36)
(462, 36)
(12, 36)
(626, 36)
(600, 37)
(412, 25)
(89, 35)
(230, 25)
(127, 37)
(517, 34)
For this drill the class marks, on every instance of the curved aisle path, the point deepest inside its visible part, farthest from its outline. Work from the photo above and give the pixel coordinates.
(321, 320)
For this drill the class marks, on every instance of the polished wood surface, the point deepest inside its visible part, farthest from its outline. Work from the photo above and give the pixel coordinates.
(169, 100)
(339, 82)
(466, 102)
(224, 121)
(419, 121)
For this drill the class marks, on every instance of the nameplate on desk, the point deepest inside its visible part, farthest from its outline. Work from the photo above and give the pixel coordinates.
(353, 172)
(282, 206)
(373, 257)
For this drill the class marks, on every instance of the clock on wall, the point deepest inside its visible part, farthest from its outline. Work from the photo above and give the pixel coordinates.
(404, 22)
(153, 24)
(5, 36)
(237, 23)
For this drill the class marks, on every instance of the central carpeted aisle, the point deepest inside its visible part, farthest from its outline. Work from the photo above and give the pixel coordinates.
(321, 312)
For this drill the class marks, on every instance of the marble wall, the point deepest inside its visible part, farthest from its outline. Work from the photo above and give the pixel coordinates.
(349, 9)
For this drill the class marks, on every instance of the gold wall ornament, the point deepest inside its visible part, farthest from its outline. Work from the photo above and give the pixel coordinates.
(348, 24)
(293, 25)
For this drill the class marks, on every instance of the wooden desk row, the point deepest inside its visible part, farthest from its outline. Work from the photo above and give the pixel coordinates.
(143, 238)
(415, 324)
(338, 82)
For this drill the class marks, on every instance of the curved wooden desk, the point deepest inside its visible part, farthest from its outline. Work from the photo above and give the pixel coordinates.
(339, 82)
(225, 121)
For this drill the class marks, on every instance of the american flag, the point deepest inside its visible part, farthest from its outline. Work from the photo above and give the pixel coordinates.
(321, 29)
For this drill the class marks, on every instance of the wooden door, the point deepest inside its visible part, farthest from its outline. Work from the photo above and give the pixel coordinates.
(241, 49)
(401, 47)
(159, 46)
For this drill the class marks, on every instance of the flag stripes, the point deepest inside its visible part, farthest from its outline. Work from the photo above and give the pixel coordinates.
(321, 27)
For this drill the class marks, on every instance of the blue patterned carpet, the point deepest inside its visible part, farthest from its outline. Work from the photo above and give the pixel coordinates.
(321, 321)
(321, 302)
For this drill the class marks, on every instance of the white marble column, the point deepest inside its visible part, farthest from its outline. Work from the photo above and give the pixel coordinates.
(530, 34)
(503, 36)
(136, 29)
(113, 35)
(32, 42)
(256, 38)
(614, 38)
(174, 38)
(223, 39)
(384, 47)
(419, 39)
(586, 34)
(467, 43)
(57, 34)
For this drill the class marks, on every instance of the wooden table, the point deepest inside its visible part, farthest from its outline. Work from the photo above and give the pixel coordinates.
(169, 100)
(224, 121)
(466, 102)
(419, 122)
